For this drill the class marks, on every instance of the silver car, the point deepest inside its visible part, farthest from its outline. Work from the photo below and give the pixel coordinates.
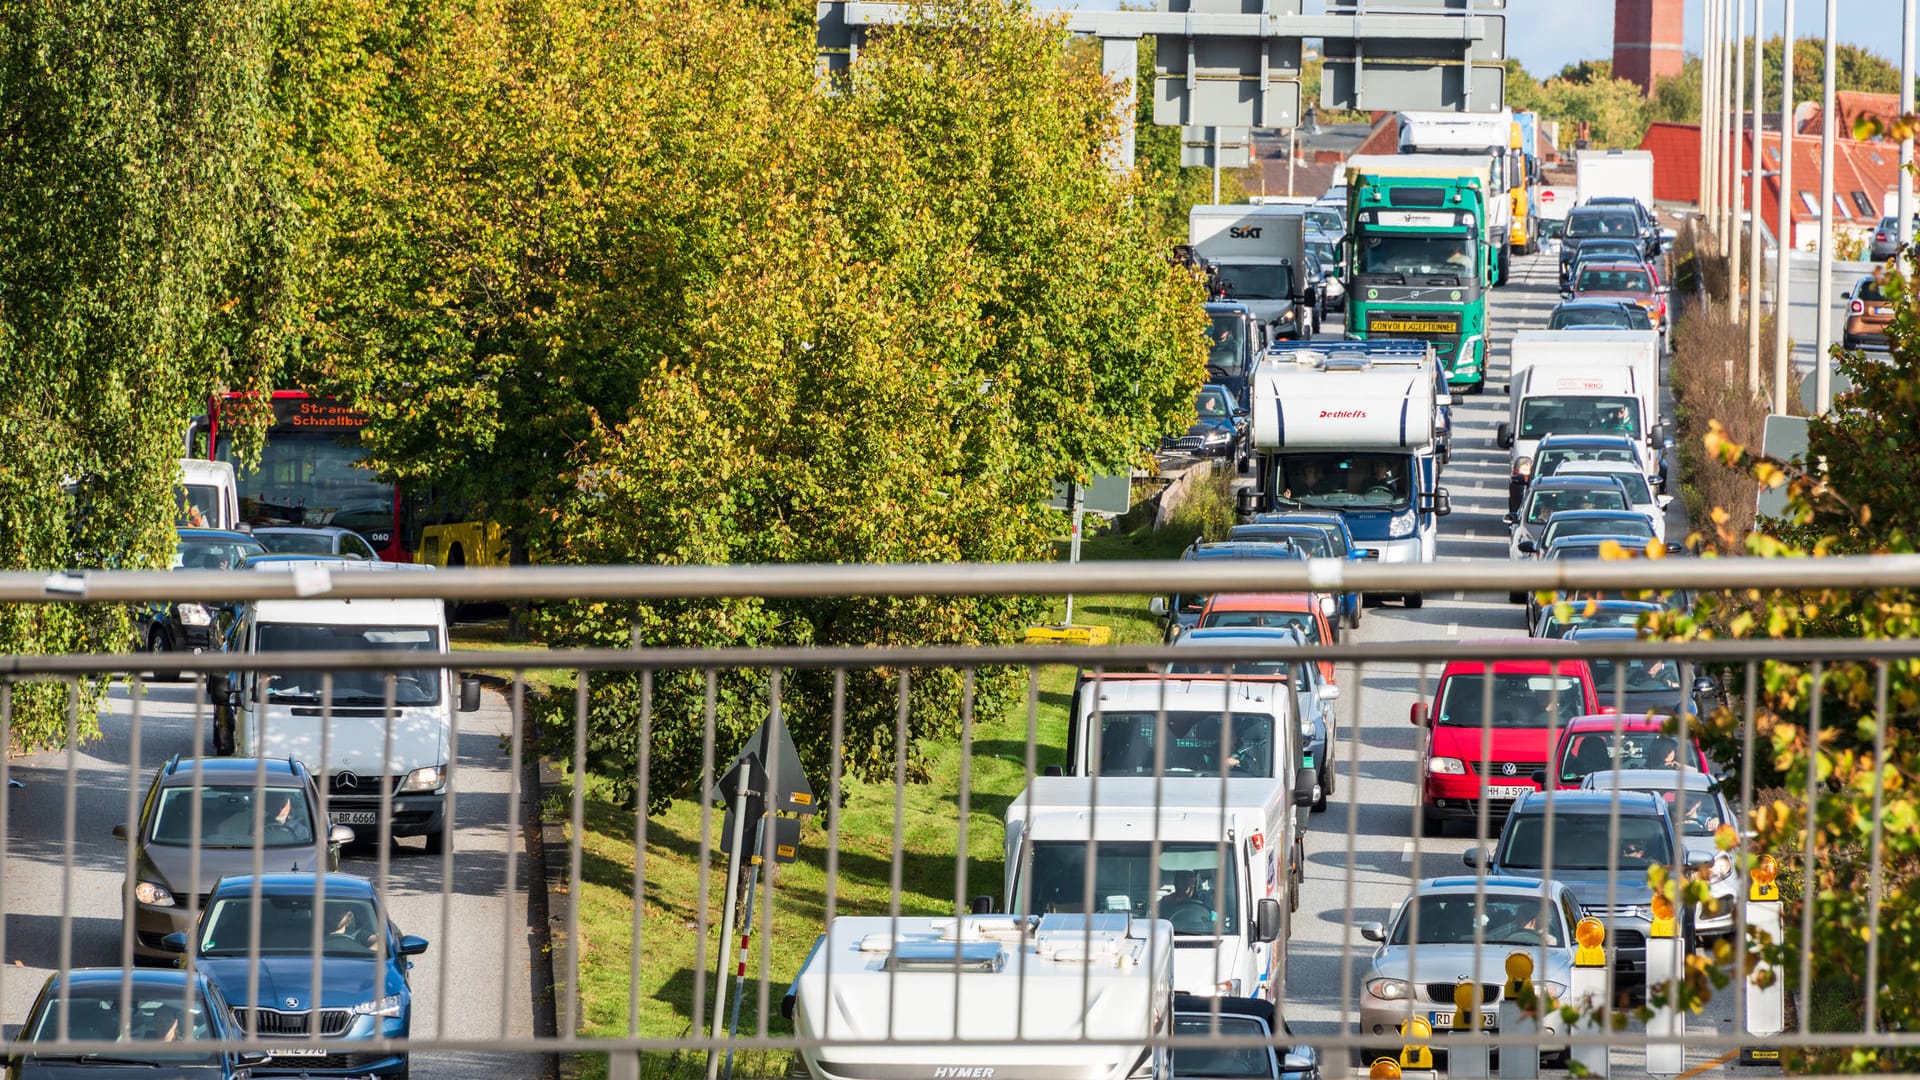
(1414, 971)
(1701, 813)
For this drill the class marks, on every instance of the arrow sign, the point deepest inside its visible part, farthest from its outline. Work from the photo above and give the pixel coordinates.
(770, 742)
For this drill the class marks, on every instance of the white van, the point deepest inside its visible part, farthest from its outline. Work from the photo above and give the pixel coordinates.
(978, 997)
(1600, 399)
(209, 497)
(1210, 861)
(285, 715)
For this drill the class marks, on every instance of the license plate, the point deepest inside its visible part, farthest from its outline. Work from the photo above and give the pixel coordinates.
(353, 817)
(1502, 792)
(1412, 326)
(1489, 1019)
(305, 1052)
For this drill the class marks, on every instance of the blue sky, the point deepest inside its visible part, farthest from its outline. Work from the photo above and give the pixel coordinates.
(1544, 39)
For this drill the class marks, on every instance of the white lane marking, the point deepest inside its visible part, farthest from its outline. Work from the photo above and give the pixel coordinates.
(1460, 594)
(1406, 851)
(1453, 629)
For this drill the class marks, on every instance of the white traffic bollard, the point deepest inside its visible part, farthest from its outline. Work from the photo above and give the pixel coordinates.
(1467, 1057)
(1587, 989)
(1664, 967)
(1518, 1062)
(1766, 1005)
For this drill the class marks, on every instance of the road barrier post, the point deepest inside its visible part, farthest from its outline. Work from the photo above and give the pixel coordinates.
(1664, 957)
(1587, 989)
(1467, 1057)
(1766, 1004)
(1416, 1051)
(1518, 1062)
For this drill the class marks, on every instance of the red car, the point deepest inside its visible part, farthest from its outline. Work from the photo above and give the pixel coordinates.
(1587, 746)
(1625, 281)
(1454, 773)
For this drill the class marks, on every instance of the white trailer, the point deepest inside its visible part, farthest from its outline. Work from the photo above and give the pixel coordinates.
(1212, 862)
(1056, 997)
(1260, 253)
(1601, 173)
(1486, 138)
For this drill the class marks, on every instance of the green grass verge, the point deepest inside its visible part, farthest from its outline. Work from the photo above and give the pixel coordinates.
(492, 637)
(660, 1001)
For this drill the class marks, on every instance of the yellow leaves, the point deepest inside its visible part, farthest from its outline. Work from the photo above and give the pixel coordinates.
(1726, 838)
(1768, 474)
(1892, 128)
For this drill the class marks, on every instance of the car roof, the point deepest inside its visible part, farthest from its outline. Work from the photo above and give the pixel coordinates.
(139, 976)
(1556, 481)
(1578, 801)
(1693, 779)
(1469, 883)
(1611, 303)
(338, 885)
(1268, 601)
(1597, 540)
(215, 534)
(180, 772)
(1595, 515)
(1258, 1008)
(1222, 307)
(1623, 721)
(1604, 633)
(1242, 549)
(1588, 440)
(329, 530)
(1616, 264)
(1217, 635)
(1285, 517)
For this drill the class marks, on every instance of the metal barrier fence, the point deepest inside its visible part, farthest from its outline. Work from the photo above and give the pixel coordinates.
(1345, 865)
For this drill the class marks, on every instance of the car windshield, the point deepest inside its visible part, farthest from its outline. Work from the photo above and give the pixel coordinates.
(1346, 481)
(348, 926)
(1199, 1060)
(1213, 404)
(153, 1014)
(1638, 493)
(296, 543)
(1609, 317)
(200, 506)
(1192, 744)
(1580, 226)
(1641, 674)
(1551, 414)
(411, 686)
(1519, 700)
(1549, 501)
(228, 814)
(1326, 220)
(1194, 883)
(1594, 751)
(1636, 526)
(1614, 279)
(1307, 623)
(1450, 918)
(1229, 348)
(1313, 541)
(213, 554)
(1582, 842)
(1257, 281)
(1699, 811)
(1387, 253)
(1870, 290)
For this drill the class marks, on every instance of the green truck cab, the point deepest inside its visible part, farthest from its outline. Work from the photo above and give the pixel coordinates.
(1419, 265)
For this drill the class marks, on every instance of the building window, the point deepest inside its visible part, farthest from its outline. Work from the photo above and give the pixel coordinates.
(1863, 204)
(1812, 204)
(1840, 207)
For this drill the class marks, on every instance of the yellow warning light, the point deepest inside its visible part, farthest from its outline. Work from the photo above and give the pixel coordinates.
(1590, 932)
(1384, 1069)
(1662, 907)
(1465, 997)
(1519, 967)
(1416, 1028)
(1764, 871)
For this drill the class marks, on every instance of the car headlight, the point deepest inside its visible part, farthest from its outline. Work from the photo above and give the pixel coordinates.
(1550, 989)
(1286, 316)
(1401, 525)
(386, 1006)
(193, 615)
(1722, 867)
(1388, 989)
(426, 779)
(1215, 438)
(1446, 766)
(1229, 987)
(153, 893)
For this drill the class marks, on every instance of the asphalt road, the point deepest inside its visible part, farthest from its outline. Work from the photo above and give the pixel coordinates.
(1361, 878)
(475, 981)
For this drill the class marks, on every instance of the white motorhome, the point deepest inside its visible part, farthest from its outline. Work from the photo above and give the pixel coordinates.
(1592, 399)
(1335, 431)
(338, 723)
(1613, 173)
(209, 496)
(1486, 138)
(1260, 254)
(1210, 861)
(984, 996)
(1578, 350)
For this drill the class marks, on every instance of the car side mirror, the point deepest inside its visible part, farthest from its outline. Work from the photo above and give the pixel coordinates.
(1249, 501)
(1442, 502)
(1329, 606)
(1526, 546)
(1052, 770)
(981, 905)
(1304, 781)
(469, 694)
(1266, 920)
(1157, 607)
(1705, 684)
(1664, 290)
(1566, 294)
(1418, 714)
(1327, 692)
(1539, 778)
(411, 945)
(340, 836)
(1503, 436)
(1239, 412)
(1475, 857)
(251, 1059)
(120, 831)
(1373, 931)
(1510, 519)
(175, 942)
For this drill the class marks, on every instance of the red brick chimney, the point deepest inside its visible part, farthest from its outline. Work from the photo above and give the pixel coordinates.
(1646, 40)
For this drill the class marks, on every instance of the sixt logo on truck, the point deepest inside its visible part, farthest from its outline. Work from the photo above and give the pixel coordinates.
(1245, 232)
(1343, 414)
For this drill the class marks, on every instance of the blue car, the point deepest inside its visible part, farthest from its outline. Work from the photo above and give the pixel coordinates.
(1182, 611)
(1341, 546)
(162, 1008)
(362, 970)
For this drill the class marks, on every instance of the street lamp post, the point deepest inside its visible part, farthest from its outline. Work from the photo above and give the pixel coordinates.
(1784, 246)
(1823, 333)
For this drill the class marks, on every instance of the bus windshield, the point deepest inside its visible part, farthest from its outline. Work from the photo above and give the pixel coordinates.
(310, 472)
(1342, 481)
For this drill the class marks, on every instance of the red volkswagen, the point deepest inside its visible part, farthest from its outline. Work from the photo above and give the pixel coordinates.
(1587, 745)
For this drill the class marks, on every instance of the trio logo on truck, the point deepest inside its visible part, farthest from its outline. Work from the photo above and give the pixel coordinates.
(1343, 414)
(1244, 232)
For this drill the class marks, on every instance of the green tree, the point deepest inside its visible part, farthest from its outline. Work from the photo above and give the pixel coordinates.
(1676, 98)
(1856, 69)
(126, 181)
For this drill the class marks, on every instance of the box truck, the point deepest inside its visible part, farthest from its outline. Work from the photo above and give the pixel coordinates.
(1258, 253)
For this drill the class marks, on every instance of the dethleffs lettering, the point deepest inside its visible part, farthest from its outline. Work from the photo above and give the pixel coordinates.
(1343, 414)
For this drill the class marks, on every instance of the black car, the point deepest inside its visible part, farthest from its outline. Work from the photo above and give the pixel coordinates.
(1236, 342)
(1594, 222)
(1650, 243)
(286, 811)
(1274, 1058)
(1599, 313)
(163, 1008)
(1220, 428)
(186, 626)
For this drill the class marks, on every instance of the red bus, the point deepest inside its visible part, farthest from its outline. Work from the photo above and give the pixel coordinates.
(311, 472)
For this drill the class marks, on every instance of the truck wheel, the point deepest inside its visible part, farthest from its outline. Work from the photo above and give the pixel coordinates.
(1505, 265)
(157, 648)
(1353, 619)
(1415, 600)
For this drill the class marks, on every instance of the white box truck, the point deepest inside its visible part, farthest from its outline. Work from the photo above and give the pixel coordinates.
(1619, 173)
(1054, 997)
(1593, 399)
(1486, 138)
(1210, 861)
(1580, 349)
(1259, 253)
(338, 724)
(209, 495)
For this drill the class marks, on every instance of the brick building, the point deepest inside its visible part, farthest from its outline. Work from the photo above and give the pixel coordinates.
(1646, 40)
